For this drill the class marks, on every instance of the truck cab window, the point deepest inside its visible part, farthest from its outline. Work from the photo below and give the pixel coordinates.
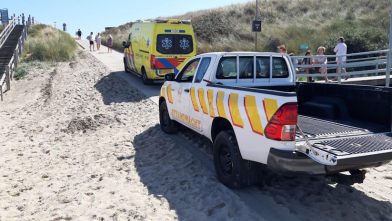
(186, 75)
(246, 67)
(204, 64)
(262, 67)
(227, 68)
(279, 68)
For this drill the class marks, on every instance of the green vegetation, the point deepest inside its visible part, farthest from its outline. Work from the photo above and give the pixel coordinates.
(363, 23)
(45, 43)
(44, 47)
(1, 28)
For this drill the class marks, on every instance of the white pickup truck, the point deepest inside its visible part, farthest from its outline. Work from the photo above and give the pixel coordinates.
(250, 107)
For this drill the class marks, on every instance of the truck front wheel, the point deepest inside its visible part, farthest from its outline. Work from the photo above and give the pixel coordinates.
(231, 169)
(167, 125)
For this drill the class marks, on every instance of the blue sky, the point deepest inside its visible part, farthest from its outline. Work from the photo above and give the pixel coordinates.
(96, 15)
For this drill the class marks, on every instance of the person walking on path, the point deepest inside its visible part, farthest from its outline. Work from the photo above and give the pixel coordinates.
(308, 61)
(282, 49)
(91, 39)
(321, 59)
(341, 49)
(23, 19)
(109, 43)
(79, 34)
(98, 41)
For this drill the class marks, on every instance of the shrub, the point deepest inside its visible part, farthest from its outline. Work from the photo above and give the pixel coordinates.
(46, 43)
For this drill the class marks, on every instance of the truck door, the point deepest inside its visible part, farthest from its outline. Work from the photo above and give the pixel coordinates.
(180, 93)
(198, 95)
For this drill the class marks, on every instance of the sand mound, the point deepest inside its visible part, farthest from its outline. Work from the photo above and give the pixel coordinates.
(87, 123)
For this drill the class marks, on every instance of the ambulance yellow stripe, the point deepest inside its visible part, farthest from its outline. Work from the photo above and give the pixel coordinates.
(202, 101)
(169, 94)
(234, 111)
(219, 104)
(270, 107)
(253, 114)
(194, 101)
(210, 95)
(163, 93)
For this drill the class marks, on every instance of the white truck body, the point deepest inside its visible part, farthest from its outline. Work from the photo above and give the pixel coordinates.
(245, 90)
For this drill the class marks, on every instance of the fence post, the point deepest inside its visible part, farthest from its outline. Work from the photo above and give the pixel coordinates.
(1, 92)
(377, 66)
(339, 70)
(16, 58)
(7, 77)
(20, 46)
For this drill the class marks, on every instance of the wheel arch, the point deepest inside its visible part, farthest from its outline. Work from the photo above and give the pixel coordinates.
(220, 124)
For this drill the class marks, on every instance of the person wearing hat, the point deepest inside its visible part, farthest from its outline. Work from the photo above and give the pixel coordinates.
(109, 43)
(282, 49)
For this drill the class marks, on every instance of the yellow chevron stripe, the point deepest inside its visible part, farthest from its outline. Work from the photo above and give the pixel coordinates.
(253, 114)
(169, 93)
(163, 92)
(202, 100)
(210, 95)
(234, 111)
(219, 104)
(270, 107)
(194, 101)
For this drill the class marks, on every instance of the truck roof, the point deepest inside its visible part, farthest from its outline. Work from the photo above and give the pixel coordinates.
(244, 53)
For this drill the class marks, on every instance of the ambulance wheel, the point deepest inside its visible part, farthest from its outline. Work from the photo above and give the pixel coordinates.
(145, 79)
(126, 67)
(167, 125)
(233, 171)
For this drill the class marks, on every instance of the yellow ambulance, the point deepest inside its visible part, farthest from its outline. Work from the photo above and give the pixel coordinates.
(155, 48)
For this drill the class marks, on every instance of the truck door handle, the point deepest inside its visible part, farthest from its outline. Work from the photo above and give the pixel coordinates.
(186, 90)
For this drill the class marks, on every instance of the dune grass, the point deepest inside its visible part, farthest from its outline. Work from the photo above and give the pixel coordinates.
(363, 23)
(46, 43)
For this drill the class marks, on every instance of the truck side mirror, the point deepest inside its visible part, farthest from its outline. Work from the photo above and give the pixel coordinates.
(170, 76)
(124, 44)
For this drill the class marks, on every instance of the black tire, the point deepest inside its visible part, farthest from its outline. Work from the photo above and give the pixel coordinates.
(168, 125)
(145, 79)
(126, 67)
(233, 171)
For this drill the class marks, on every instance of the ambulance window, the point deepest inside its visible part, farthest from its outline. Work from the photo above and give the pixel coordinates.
(262, 67)
(174, 44)
(246, 67)
(279, 68)
(201, 71)
(189, 71)
(227, 68)
(165, 44)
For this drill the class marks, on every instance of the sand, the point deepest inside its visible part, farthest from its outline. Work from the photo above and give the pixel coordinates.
(80, 143)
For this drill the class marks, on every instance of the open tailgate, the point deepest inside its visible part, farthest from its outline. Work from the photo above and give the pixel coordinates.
(349, 152)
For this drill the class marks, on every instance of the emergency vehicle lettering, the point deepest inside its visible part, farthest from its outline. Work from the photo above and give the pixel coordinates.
(202, 101)
(186, 119)
(210, 95)
(220, 105)
(193, 98)
(234, 111)
(270, 107)
(169, 93)
(253, 114)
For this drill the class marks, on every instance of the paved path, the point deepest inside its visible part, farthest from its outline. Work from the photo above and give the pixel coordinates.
(114, 61)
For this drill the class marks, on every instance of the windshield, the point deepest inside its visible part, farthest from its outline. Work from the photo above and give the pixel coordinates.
(174, 44)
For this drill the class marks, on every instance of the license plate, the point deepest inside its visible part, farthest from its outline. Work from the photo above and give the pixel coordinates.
(166, 71)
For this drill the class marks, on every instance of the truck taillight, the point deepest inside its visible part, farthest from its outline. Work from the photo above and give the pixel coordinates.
(282, 126)
(152, 62)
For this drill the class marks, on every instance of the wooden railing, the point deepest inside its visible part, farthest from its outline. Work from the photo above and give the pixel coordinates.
(5, 81)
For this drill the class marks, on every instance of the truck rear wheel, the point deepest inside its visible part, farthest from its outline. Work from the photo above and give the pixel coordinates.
(233, 171)
(145, 79)
(167, 125)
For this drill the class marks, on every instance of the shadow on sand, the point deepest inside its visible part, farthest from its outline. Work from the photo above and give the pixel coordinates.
(169, 171)
(114, 89)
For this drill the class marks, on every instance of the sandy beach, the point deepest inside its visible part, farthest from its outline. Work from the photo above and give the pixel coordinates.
(80, 143)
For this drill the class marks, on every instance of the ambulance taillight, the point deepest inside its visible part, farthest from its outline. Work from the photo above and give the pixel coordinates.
(152, 62)
(282, 126)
